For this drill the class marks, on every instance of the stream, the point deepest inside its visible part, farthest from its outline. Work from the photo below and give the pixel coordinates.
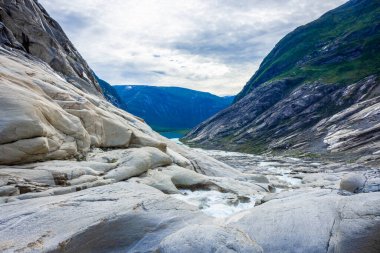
(283, 174)
(277, 169)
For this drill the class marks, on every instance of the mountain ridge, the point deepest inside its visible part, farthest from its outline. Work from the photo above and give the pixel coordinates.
(345, 24)
(314, 74)
(172, 107)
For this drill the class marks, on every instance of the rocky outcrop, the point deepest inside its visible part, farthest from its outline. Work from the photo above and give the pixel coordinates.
(101, 219)
(208, 239)
(28, 27)
(271, 121)
(312, 96)
(45, 117)
(318, 221)
(133, 217)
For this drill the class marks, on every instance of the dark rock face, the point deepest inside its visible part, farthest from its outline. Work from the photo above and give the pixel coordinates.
(25, 25)
(297, 112)
(171, 107)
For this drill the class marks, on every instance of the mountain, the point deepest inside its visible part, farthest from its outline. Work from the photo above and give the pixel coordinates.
(25, 25)
(58, 133)
(78, 174)
(316, 94)
(111, 94)
(75, 168)
(171, 107)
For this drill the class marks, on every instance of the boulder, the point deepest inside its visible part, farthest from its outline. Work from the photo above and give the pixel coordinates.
(142, 140)
(352, 182)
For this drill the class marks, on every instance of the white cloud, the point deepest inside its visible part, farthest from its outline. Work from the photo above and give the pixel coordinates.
(209, 45)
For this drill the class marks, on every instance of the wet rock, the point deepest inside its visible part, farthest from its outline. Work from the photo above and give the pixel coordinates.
(323, 180)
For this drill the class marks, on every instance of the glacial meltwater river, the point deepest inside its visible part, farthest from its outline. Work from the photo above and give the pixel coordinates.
(220, 204)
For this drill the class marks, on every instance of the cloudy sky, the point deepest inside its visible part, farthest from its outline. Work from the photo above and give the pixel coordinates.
(208, 45)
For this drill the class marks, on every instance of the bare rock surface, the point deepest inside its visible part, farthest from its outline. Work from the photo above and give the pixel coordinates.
(122, 217)
(318, 221)
(28, 27)
(208, 239)
(272, 119)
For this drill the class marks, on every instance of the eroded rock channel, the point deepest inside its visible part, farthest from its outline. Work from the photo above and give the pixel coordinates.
(279, 176)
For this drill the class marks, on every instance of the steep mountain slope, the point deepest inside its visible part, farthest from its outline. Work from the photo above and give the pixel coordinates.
(52, 107)
(317, 93)
(111, 94)
(340, 47)
(26, 25)
(171, 107)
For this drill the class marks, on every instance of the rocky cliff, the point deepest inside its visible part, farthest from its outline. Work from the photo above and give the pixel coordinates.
(316, 94)
(171, 107)
(25, 25)
(78, 174)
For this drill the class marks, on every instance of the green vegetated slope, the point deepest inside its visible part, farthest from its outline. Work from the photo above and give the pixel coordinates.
(340, 47)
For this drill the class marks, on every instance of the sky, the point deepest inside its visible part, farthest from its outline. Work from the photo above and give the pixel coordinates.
(207, 45)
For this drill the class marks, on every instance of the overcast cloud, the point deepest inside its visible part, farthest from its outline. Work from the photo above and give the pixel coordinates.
(208, 45)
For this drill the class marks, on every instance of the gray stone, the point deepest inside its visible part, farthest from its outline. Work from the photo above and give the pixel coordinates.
(352, 182)
(208, 239)
(318, 222)
(122, 217)
(137, 161)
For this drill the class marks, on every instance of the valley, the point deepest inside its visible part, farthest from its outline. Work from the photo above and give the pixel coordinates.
(315, 94)
(290, 164)
(172, 110)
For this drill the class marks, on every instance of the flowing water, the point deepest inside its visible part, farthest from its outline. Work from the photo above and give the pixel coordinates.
(218, 204)
(283, 173)
(215, 203)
